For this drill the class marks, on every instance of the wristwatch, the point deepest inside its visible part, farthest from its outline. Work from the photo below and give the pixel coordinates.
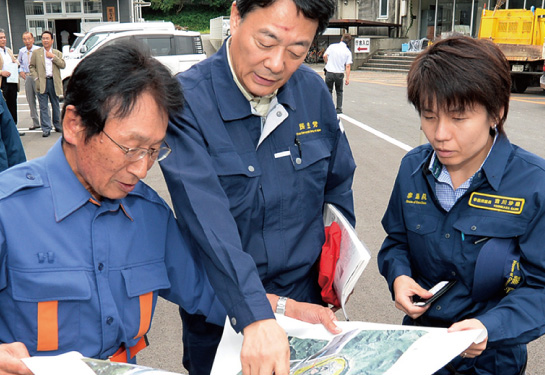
(281, 305)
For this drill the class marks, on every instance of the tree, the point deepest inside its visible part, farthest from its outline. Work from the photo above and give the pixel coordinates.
(177, 5)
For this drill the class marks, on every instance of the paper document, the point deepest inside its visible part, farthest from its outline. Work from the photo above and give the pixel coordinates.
(13, 68)
(361, 349)
(353, 258)
(73, 363)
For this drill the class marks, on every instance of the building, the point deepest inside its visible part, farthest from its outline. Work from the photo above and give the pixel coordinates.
(389, 24)
(431, 18)
(61, 16)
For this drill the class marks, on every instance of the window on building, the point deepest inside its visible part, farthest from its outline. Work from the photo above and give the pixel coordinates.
(92, 6)
(520, 4)
(34, 8)
(36, 27)
(383, 9)
(55, 7)
(73, 6)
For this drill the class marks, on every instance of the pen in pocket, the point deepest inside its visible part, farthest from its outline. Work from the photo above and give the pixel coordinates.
(480, 240)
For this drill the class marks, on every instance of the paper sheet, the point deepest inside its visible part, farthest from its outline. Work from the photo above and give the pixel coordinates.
(368, 348)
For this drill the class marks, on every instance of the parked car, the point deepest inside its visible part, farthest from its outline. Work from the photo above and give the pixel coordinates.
(542, 81)
(178, 50)
(86, 41)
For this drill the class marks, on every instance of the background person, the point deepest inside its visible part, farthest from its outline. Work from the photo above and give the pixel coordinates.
(103, 244)
(458, 211)
(258, 150)
(9, 89)
(11, 147)
(23, 57)
(45, 66)
(338, 59)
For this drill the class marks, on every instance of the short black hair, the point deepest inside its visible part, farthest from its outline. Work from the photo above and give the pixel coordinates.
(459, 72)
(48, 32)
(319, 10)
(109, 82)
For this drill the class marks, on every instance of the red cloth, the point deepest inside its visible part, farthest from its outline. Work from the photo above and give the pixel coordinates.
(328, 263)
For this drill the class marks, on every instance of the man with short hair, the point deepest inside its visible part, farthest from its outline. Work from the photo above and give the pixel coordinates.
(9, 89)
(103, 245)
(258, 150)
(25, 53)
(45, 65)
(338, 59)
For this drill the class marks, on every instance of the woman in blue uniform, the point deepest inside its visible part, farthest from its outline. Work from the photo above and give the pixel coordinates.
(468, 207)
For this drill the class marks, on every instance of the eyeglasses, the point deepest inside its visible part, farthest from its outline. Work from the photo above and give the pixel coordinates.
(138, 153)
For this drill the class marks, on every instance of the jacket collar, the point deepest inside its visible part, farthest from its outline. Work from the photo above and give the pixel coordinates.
(495, 165)
(67, 192)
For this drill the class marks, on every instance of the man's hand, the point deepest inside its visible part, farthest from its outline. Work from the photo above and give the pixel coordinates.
(312, 313)
(10, 359)
(265, 349)
(308, 312)
(474, 349)
(5, 73)
(404, 289)
(22, 75)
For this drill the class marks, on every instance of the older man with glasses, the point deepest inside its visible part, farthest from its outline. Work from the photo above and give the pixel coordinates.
(85, 246)
(24, 56)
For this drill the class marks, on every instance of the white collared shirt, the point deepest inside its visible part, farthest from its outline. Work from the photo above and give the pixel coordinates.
(48, 64)
(5, 56)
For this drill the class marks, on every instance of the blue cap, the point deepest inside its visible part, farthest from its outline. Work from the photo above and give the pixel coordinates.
(497, 270)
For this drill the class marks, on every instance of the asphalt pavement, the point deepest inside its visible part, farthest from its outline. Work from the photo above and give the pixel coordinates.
(381, 127)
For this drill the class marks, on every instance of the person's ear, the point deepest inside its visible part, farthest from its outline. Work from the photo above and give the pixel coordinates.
(72, 126)
(234, 19)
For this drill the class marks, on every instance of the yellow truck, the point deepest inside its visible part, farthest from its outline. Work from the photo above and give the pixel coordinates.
(520, 34)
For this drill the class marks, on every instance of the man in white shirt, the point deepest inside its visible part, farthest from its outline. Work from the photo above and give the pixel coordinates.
(45, 65)
(25, 53)
(8, 64)
(338, 59)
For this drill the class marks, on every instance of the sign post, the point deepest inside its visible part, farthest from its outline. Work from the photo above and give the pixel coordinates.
(362, 45)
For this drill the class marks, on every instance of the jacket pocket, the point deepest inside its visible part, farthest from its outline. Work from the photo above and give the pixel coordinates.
(49, 303)
(423, 240)
(237, 173)
(310, 170)
(309, 153)
(142, 283)
(491, 226)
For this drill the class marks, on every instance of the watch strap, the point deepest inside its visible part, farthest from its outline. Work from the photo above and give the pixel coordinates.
(281, 305)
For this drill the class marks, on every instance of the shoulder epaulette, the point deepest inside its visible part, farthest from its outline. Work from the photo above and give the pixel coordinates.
(18, 178)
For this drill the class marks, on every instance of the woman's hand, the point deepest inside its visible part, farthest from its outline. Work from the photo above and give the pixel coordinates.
(405, 288)
(474, 349)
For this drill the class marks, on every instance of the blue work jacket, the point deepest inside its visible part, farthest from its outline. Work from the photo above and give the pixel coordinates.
(253, 198)
(506, 200)
(77, 274)
(11, 148)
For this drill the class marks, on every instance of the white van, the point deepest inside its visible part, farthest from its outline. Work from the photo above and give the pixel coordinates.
(98, 33)
(178, 50)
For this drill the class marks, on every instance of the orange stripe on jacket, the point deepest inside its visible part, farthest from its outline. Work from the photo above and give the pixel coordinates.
(146, 302)
(48, 326)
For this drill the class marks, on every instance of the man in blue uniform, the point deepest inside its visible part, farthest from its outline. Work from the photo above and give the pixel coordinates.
(11, 147)
(258, 150)
(85, 246)
(468, 207)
